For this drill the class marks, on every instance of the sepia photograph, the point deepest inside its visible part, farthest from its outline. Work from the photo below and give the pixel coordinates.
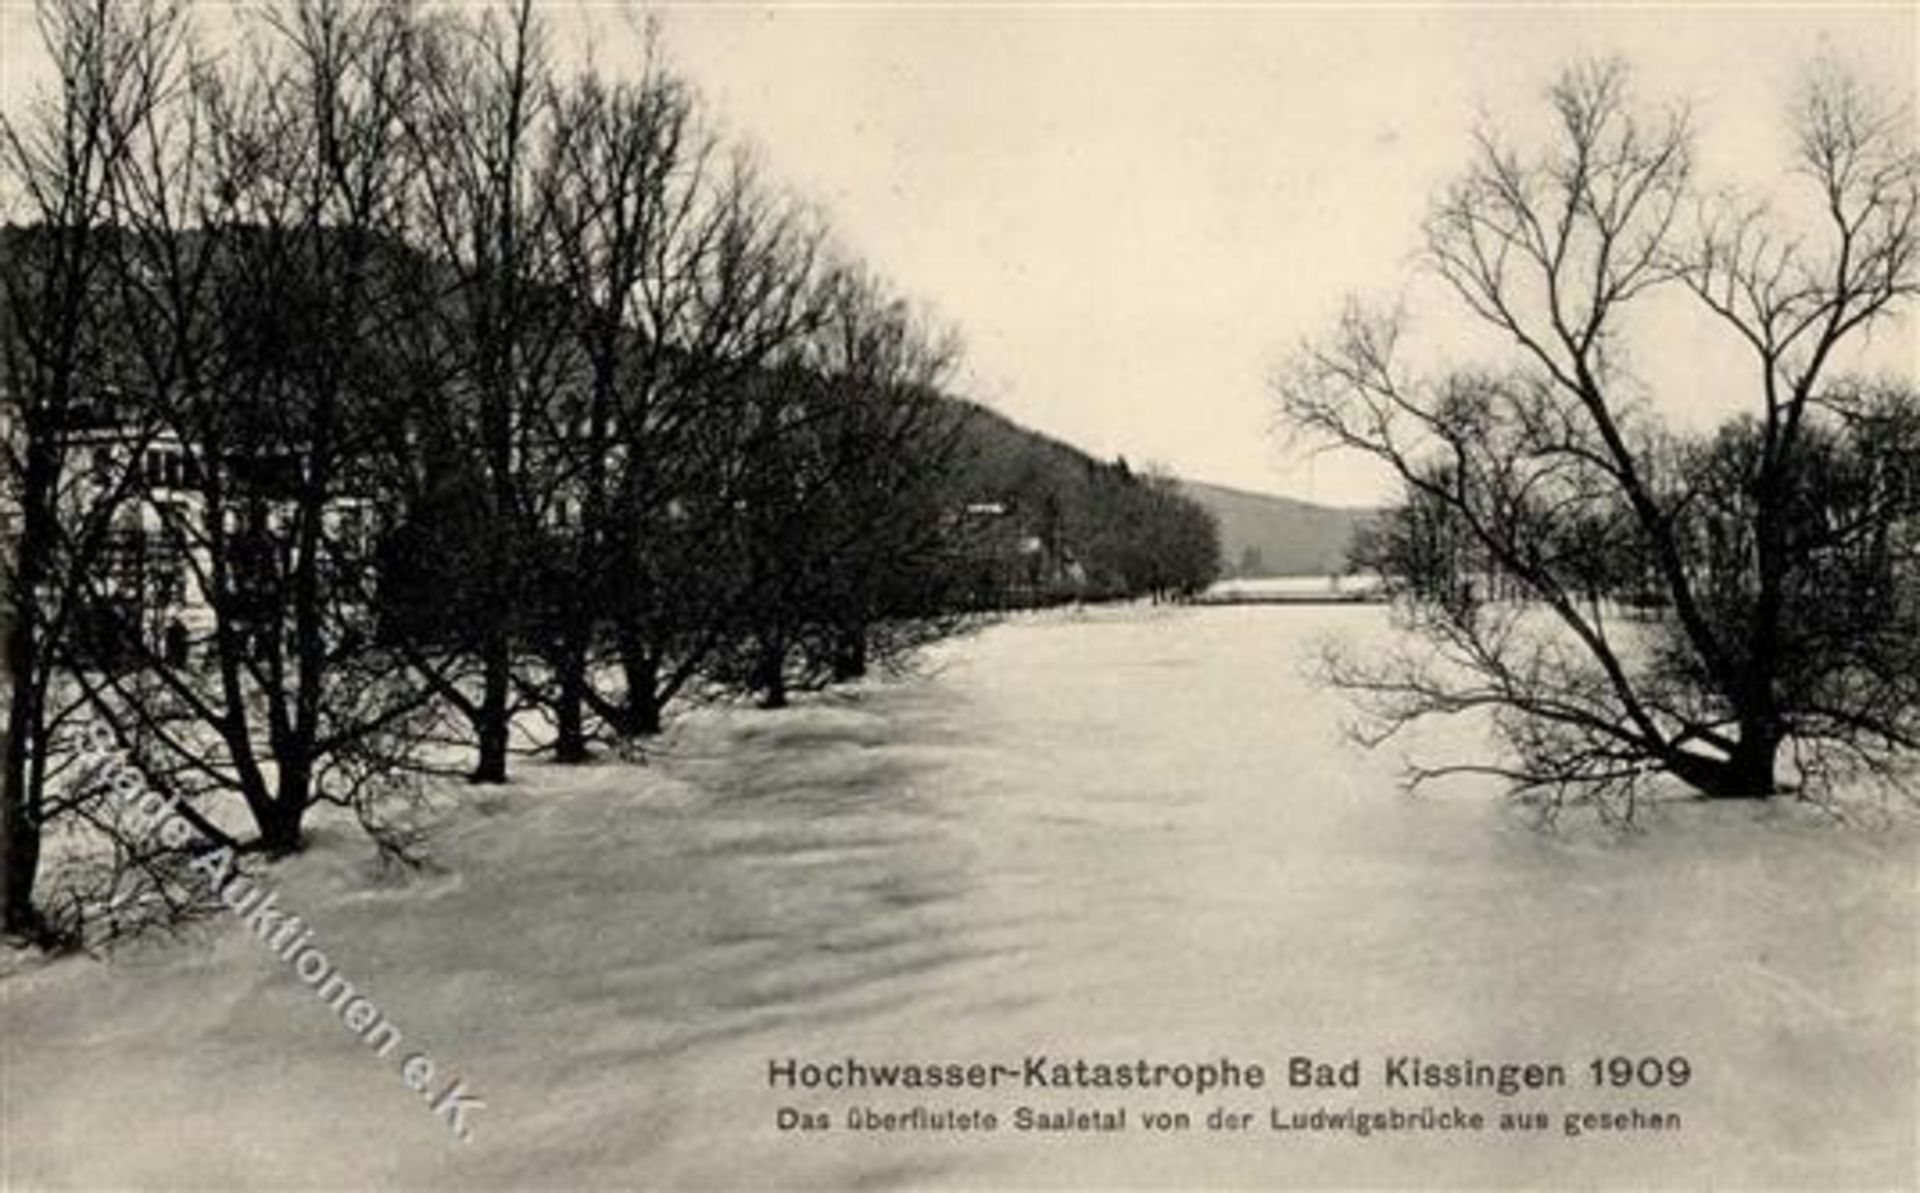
(959, 594)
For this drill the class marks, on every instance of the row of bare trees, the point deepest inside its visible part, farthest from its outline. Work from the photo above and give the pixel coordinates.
(383, 399)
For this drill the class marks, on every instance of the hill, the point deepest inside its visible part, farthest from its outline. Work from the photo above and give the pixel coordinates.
(1264, 535)
(1061, 524)
(1070, 499)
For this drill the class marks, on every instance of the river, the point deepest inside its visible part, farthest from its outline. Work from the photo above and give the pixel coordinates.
(1114, 836)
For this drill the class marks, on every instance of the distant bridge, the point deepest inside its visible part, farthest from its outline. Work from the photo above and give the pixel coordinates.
(1295, 590)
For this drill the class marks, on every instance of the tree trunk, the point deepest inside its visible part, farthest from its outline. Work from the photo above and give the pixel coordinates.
(281, 831)
(20, 828)
(281, 817)
(643, 712)
(491, 725)
(640, 712)
(1747, 774)
(570, 746)
(1750, 770)
(850, 654)
(19, 849)
(770, 672)
(571, 708)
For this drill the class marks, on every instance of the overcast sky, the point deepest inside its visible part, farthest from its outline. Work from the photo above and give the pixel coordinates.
(1132, 213)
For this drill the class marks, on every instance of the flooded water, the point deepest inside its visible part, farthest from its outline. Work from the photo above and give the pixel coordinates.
(1120, 836)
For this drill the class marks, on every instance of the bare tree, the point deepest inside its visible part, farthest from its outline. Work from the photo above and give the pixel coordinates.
(59, 165)
(887, 440)
(477, 139)
(261, 279)
(734, 291)
(1545, 478)
(625, 190)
